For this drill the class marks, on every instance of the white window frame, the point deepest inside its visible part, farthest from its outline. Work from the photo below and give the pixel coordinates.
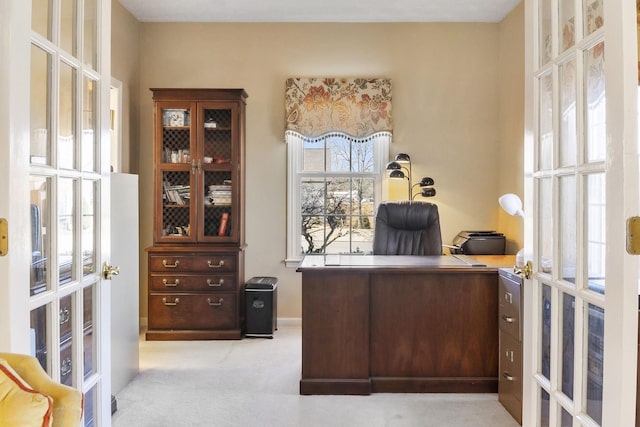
(295, 163)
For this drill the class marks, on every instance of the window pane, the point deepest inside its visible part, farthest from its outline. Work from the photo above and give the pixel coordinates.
(545, 216)
(68, 33)
(90, 34)
(66, 227)
(313, 156)
(88, 227)
(362, 156)
(566, 419)
(545, 332)
(568, 113)
(338, 155)
(90, 399)
(89, 343)
(567, 199)
(593, 15)
(544, 408)
(89, 149)
(40, 116)
(566, 12)
(312, 234)
(67, 122)
(545, 31)
(596, 232)
(595, 103)
(545, 144)
(40, 332)
(67, 363)
(568, 340)
(595, 362)
(39, 194)
(41, 17)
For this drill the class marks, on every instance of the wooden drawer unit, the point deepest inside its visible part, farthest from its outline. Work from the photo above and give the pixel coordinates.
(510, 325)
(194, 294)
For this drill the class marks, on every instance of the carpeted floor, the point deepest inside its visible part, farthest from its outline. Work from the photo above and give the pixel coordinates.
(254, 383)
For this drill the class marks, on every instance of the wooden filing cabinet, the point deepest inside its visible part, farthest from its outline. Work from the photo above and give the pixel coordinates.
(510, 335)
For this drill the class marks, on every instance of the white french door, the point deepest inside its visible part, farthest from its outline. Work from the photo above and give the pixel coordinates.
(57, 181)
(581, 183)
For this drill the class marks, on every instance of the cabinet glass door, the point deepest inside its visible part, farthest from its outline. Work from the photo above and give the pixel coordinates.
(178, 169)
(218, 169)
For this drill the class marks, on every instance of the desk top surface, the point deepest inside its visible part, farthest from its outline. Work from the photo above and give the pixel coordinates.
(346, 261)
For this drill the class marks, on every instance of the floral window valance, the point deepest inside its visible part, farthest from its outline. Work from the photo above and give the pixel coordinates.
(358, 107)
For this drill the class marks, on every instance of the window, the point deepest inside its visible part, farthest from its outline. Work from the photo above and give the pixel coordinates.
(335, 183)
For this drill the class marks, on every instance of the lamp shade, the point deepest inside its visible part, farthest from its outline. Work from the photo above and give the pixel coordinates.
(393, 166)
(403, 158)
(511, 204)
(396, 174)
(426, 182)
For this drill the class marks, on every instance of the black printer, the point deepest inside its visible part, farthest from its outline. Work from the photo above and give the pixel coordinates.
(478, 243)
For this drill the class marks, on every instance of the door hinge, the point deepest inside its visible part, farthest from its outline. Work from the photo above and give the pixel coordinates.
(4, 237)
(633, 235)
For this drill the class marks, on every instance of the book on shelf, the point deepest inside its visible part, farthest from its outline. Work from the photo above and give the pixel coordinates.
(224, 220)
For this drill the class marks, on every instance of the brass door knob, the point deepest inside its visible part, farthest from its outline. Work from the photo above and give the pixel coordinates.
(108, 271)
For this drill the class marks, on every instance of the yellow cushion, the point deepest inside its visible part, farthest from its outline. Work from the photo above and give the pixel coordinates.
(20, 405)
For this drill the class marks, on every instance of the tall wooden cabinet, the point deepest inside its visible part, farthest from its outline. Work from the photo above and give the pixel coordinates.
(196, 263)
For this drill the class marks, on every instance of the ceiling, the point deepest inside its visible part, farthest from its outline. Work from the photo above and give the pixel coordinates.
(319, 11)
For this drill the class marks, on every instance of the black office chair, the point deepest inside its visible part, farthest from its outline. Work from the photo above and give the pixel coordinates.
(407, 228)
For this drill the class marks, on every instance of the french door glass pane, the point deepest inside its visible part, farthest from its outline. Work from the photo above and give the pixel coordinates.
(544, 408)
(68, 26)
(567, 198)
(41, 17)
(90, 399)
(67, 116)
(545, 31)
(66, 221)
(566, 420)
(566, 16)
(568, 342)
(89, 125)
(596, 231)
(88, 227)
(41, 330)
(545, 146)
(568, 137)
(90, 34)
(545, 221)
(595, 362)
(39, 190)
(545, 332)
(67, 362)
(595, 107)
(40, 116)
(89, 346)
(593, 15)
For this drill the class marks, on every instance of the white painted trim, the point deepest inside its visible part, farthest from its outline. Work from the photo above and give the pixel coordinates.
(290, 322)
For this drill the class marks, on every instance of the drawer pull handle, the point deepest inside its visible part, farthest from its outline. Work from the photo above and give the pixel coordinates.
(65, 315)
(215, 285)
(66, 367)
(167, 265)
(171, 285)
(175, 302)
(508, 377)
(215, 304)
(508, 319)
(508, 297)
(219, 265)
(509, 355)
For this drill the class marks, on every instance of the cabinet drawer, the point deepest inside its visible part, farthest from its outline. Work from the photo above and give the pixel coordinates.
(195, 312)
(183, 283)
(510, 366)
(509, 307)
(190, 263)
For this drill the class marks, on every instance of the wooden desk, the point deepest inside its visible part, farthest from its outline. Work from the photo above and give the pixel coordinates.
(399, 324)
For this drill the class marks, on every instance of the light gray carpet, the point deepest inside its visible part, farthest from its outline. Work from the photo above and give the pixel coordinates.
(254, 383)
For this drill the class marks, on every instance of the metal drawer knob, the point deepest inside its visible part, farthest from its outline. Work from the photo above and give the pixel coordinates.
(215, 285)
(219, 265)
(508, 377)
(175, 302)
(215, 304)
(171, 285)
(167, 265)
(508, 319)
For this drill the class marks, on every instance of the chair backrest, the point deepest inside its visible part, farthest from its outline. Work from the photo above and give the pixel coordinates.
(407, 228)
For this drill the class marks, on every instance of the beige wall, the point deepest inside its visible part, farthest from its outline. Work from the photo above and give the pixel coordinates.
(511, 119)
(125, 66)
(446, 106)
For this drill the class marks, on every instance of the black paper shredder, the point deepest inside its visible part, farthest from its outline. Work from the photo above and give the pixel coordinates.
(479, 243)
(261, 298)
